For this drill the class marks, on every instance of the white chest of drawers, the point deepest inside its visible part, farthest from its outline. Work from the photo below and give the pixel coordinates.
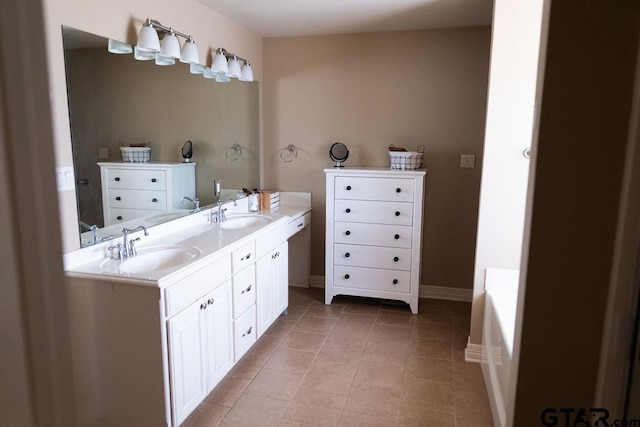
(133, 190)
(374, 233)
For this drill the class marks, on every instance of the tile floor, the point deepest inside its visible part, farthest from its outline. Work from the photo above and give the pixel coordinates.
(357, 362)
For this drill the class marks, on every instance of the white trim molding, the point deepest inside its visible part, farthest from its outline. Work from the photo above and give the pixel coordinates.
(473, 352)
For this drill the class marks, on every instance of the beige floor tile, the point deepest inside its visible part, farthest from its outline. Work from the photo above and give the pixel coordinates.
(322, 310)
(380, 374)
(281, 327)
(304, 341)
(423, 393)
(428, 347)
(355, 337)
(322, 325)
(353, 419)
(464, 422)
(436, 331)
(394, 318)
(365, 307)
(388, 333)
(434, 316)
(258, 411)
(249, 365)
(355, 321)
(385, 352)
(228, 391)
(326, 380)
(313, 406)
(206, 414)
(428, 368)
(275, 384)
(373, 400)
(267, 344)
(420, 417)
(476, 409)
(461, 327)
(343, 357)
(290, 360)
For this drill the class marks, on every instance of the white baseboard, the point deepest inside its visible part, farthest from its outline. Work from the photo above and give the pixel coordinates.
(473, 353)
(441, 292)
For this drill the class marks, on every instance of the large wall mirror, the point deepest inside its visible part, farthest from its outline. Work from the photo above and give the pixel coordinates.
(116, 99)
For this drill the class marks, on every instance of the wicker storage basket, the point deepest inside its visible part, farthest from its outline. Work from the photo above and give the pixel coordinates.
(406, 160)
(137, 153)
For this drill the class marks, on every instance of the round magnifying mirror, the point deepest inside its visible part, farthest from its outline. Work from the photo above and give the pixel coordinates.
(338, 153)
(187, 152)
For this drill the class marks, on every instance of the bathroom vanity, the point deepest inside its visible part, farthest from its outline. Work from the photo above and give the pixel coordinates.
(153, 334)
(133, 190)
(374, 233)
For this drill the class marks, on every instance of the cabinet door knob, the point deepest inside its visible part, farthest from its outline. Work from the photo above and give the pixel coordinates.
(395, 281)
(248, 331)
(348, 210)
(347, 255)
(346, 276)
(398, 190)
(154, 180)
(203, 306)
(348, 188)
(117, 178)
(210, 301)
(396, 259)
(118, 198)
(397, 236)
(347, 232)
(397, 213)
(119, 217)
(154, 200)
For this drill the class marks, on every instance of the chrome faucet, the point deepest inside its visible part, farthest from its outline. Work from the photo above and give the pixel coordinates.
(219, 215)
(128, 248)
(196, 203)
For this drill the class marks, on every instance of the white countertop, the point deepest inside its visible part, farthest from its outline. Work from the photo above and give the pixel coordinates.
(195, 231)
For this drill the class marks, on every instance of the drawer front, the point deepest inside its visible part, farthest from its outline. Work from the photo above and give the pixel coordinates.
(374, 212)
(270, 241)
(397, 236)
(383, 189)
(241, 258)
(136, 179)
(137, 199)
(244, 290)
(196, 285)
(372, 278)
(244, 332)
(298, 224)
(372, 256)
(122, 215)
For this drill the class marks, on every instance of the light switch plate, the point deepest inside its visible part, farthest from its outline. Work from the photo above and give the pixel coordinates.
(103, 153)
(467, 160)
(65, 180)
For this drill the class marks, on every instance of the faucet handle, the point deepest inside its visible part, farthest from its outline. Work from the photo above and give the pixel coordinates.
(116, 255)
(132, 246)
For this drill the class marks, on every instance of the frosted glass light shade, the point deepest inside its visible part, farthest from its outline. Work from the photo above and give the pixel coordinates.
(189, 53)
(222, 78)
(170, 46)
(197, 69)
(234, 68)
(164, 60)
(143, 56)
(208, 74)
(219, 63)
(148, 40)
(119, 47)
(246, 74)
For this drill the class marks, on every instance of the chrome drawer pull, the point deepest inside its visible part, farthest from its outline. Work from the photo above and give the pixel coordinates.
(246, 290)
(203, 306)
(248, 331)
(301, 224)
(247, 256)
(210, 301)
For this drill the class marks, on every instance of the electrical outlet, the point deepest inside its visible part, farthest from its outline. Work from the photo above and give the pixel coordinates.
(467, 160)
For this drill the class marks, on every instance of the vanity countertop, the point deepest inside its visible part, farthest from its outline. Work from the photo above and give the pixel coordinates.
(195, 231)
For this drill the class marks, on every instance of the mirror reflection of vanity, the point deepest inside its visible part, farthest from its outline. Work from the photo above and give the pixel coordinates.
(115, 100)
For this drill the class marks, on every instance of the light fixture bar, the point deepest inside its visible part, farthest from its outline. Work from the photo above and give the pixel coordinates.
(155, 24)
(229, 55)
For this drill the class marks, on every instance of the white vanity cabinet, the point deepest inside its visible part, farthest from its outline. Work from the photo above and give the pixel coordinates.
(374, 233)
(133, 190)
(272, 278)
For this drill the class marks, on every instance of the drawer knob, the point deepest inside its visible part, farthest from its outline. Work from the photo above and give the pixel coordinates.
(117, 178)
(154, 180)
(347, 255)
(396, 259)
(397, 213)
(119, 217)
(348, 210)
(154, 200)
(395, 281)
(398, 190)
(347, 232)
(346, 276)
(118, 198)
(397, 236)
(348, 188)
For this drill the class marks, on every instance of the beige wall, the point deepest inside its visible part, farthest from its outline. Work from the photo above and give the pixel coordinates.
(121, 20)
(369, 91)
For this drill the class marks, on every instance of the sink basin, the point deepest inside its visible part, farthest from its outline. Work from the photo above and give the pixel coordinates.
(164, 217)
(245, 221)
(153, 258)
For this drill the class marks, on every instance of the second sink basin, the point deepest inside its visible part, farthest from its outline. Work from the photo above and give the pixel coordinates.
(245, 221)
(159, 258)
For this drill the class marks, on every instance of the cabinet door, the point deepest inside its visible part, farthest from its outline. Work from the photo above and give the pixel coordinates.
(219, 333)
(187, 355)
(264, 294)
(281, 279)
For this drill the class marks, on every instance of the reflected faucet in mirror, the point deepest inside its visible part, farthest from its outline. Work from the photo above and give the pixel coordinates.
(196, 203)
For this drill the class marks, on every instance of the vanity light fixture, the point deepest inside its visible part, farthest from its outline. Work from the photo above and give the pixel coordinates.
(219, 63)
(149, 41)
(247, 72)
(232, 67)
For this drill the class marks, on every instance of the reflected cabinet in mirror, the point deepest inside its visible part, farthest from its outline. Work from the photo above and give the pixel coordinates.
(116, 100)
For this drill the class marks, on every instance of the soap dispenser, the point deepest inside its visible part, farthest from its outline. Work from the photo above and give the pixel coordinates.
(254, 205)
